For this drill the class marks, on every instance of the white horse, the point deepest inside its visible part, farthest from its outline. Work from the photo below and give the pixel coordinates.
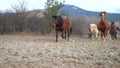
(93, 30)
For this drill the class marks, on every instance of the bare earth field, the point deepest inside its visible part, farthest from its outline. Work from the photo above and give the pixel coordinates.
(33, 51)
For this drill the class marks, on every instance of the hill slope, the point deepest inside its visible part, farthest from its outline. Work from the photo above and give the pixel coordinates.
(76, 11)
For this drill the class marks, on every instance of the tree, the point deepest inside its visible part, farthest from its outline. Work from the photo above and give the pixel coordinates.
(20, 7)
(64, 13)
(52, 7)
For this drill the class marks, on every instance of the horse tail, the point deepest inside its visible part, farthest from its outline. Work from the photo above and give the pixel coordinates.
(70, 26)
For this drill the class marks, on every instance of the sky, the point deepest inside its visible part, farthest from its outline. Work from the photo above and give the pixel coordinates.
(112, 6)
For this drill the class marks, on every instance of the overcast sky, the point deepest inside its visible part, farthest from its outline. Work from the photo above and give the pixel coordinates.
(112, 6)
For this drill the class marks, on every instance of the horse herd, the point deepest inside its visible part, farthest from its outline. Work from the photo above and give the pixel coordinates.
(101, 29)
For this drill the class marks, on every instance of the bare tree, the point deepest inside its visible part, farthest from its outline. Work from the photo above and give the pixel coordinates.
(20, 7)
(80, 24)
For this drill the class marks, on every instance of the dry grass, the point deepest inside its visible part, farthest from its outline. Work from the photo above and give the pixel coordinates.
(34, 51)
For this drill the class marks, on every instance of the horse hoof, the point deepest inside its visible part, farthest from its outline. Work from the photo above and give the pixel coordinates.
(104, 40)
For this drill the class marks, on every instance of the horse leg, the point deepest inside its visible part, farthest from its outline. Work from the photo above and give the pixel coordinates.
(68, 34)
(56, 36)
(104, 38)
(96, 35)
(112, 37)
(105, 35)
(115, 36)
(70, 31)
(65, 35)
(101, 34)
(62, 35)
(89, 35)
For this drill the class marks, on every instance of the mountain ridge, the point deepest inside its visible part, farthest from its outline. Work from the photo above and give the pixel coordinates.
(77, 12)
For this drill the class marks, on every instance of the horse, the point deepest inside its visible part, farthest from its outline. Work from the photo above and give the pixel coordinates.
(93, 31)
(103, 25)
(62, 25)
(118, 28)
(113, 31)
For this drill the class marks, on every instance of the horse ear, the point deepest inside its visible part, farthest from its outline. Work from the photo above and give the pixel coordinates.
(113, 22)
(102, 12)
(54, 16)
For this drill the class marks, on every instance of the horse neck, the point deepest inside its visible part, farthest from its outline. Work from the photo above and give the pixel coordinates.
(103, 19)
(112, 26)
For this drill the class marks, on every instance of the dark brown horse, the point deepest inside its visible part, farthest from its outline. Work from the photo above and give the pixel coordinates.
(103, 25)
(113, 31)
(62, 25)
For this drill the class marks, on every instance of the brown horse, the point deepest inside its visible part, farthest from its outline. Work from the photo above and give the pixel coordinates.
(103, 25)
(62, 25)
(113, 31)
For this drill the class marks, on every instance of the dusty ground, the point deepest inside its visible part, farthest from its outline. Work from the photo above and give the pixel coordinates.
(33, 51)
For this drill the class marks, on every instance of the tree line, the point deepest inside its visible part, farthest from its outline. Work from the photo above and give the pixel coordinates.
(21, 20)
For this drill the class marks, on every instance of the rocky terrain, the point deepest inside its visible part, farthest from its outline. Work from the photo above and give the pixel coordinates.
(34, 51)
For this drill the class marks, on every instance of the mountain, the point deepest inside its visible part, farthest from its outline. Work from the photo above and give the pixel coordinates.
(35, 13)
(77, 12)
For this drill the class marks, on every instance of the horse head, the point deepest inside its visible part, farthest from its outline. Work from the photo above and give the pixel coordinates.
(103, 15)
(54, 23)
(112, 25)
(58, 21)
